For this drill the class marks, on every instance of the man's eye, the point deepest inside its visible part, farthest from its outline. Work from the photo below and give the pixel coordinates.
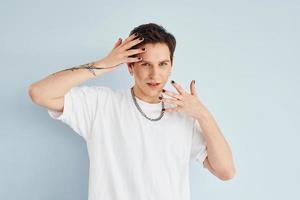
(144, 64)
(164, 63)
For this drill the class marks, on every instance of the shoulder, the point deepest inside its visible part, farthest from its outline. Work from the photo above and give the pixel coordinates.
(92, 93)
(107, 93)
(94, 89)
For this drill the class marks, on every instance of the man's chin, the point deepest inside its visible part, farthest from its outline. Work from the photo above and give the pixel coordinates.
(155, 94)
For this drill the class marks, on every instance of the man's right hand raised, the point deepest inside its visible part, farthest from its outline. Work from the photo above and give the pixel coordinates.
(121, 53)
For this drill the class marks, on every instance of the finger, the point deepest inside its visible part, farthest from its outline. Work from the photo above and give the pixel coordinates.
(178, 87)
(132, 43)
(176, 109)
(130, 38)
(193, 88)
(173, 94)
(118, 43)
(174, 101)
(133, 59)
(135, 51)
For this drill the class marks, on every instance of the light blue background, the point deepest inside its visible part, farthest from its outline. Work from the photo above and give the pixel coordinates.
(244, 56)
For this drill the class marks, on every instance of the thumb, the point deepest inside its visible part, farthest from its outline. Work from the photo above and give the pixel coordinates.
(118, 43)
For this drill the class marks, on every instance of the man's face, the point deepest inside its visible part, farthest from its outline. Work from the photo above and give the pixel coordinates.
(154, 67)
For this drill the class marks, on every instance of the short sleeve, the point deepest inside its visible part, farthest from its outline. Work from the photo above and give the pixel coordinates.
(198, 147)
(80, 106)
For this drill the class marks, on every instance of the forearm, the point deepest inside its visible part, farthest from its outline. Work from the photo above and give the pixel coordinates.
(218, 150)
(59, 83)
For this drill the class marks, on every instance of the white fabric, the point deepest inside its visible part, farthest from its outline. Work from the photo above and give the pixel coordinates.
(131, 157)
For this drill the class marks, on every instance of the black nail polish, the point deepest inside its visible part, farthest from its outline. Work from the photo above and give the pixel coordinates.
(143, 49)
(172, 81)
(160, 98)
(141, 38)
(136, 34)
(163, 109)
(163, 90)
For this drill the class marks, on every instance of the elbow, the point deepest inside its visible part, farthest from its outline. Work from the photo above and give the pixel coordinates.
(227, 174)
(32, 92)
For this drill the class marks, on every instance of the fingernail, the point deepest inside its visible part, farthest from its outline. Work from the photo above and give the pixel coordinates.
(194, 81)
(160, 98)
(172, 81)
(141, 38)
(136, 34)
(163, 109)
(140, 58)
(163, 90)
(143, 49)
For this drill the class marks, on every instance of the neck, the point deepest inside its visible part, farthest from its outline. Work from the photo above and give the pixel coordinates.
(144, 97)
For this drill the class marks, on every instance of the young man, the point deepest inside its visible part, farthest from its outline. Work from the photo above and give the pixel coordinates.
(139, 145)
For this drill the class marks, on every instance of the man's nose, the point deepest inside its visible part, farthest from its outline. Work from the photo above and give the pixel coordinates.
(154, 71)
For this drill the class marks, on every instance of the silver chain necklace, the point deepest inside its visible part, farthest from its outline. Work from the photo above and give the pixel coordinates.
(139, 108)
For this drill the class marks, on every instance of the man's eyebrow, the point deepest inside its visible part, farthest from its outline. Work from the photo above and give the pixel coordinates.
(167, 60)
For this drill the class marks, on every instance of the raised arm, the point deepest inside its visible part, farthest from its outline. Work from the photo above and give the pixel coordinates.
(49, 92)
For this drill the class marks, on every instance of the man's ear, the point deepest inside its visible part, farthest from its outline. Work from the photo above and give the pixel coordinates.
(130, 68)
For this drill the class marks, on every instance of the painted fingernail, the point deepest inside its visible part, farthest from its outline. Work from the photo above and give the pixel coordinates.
(163, 109)
(136, 34)
(172, 81)
(143, 49)
(163, 90)
(140, 58)
(160, 98)
(194, 81)
(141, 38)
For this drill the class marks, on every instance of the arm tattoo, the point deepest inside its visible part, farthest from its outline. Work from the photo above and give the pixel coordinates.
(89, 66)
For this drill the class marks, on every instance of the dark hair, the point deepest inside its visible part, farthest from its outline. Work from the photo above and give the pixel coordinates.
(154, 33)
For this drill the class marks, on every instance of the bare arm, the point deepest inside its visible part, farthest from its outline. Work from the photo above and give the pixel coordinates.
(49, 92)
(219, 160)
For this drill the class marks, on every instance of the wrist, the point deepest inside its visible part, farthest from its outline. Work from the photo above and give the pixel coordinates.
(203, 113)
(101, 63)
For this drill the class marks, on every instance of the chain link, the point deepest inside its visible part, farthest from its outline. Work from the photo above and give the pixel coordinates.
(139, 108)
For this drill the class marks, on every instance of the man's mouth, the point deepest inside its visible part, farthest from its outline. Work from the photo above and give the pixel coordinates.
(153, 85)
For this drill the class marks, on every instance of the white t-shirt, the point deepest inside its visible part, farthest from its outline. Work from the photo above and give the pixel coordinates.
(131, 157)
